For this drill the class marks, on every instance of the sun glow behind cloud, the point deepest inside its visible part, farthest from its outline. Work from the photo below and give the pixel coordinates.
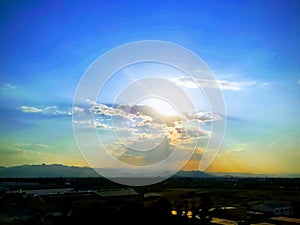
(139, 135)
(262, 95)
(162, 106)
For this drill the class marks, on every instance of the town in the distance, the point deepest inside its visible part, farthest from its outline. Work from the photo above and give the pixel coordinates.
(188, 197)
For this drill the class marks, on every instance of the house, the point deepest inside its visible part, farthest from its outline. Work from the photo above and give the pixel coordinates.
(119, 193)
(275, 208)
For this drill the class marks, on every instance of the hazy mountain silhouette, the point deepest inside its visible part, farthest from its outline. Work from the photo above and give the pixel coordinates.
(53, 170)
(193, 174)
(58, 170)
(252, 175)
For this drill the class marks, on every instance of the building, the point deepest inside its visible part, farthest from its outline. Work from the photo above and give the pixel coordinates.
(275, 208)
(119, 193)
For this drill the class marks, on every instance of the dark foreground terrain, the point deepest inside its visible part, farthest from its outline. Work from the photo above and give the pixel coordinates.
(178, 200)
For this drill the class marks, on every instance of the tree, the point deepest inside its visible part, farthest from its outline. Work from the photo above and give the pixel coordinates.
(205, 205)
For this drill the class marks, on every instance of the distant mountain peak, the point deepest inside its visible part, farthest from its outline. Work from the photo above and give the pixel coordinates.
(60, 170)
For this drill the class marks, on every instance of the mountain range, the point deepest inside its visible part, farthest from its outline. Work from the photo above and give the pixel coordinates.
(59, 170)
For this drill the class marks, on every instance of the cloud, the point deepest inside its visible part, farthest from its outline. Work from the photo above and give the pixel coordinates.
(29, 147)
(185, 82)
(102, 126)
(49, 110)
(234, 86)
(116, 150)
(106, 110)
(298, 81)
(238, 148)
(90, 102)
(123, 154)
(123, 151)
(7, 86)
(30, 109)
(265, 84)
(142, 119)
(202, 116)
(186, 136)
(78, 109)
(42, 146)
(54, 110)
(137, 129)
(275, 142)
(140, 136)
(86, 123)
(124, 115)
(188, 82)
(139, 115)
(148, 148)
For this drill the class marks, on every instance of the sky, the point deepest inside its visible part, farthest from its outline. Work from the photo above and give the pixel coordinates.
(252, 49)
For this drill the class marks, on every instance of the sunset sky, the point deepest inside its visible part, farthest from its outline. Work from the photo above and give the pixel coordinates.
(252, 48)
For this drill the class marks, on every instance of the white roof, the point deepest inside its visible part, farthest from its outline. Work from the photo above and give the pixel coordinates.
(115, 192)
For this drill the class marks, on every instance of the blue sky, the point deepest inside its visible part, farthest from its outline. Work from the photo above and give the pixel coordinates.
(251, 47)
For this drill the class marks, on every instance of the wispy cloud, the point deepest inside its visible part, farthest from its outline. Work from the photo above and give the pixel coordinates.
(238, 148)
(188, 82)
(275, 142)
(78, 109)
(7, 86)
(30, 109)
(103, 126)
(234, 86)
(265, 84)
(202, 116)
(49, 110)
(29, 146)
